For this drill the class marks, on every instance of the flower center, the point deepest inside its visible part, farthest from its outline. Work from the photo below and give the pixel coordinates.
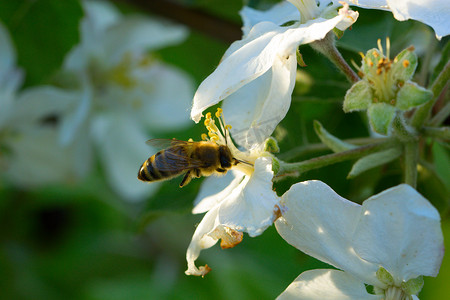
(395, 293)
(221, 136)
(382, 74)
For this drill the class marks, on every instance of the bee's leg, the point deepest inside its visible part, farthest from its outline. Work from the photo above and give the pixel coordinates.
(186, 179)
(198, 173)
(220, 170)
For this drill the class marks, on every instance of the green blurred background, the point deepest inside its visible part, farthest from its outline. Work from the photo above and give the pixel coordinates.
(82, 241)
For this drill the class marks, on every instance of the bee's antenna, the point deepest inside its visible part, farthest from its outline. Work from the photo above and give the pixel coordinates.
(244, 162)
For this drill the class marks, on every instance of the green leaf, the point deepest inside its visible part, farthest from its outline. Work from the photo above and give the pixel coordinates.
(43, 32)
(300, 60)
(433, 185)
(443, 61)
(405, 64)
(413, 286)
(412, 95)
(374, 160)
(380, 117)
(330, 140)
(358, 97)
(339, 33)
(271, 145)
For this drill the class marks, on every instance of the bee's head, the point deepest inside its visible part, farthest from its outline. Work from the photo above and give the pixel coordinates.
(225, 157)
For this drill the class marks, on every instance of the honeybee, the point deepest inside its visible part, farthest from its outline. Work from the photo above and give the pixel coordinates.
(195, 159)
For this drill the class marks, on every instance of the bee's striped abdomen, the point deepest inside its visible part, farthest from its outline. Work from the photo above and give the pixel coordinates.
(157, 167)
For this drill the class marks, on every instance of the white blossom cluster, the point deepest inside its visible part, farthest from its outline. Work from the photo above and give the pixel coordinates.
(389, 242)
(112, 94)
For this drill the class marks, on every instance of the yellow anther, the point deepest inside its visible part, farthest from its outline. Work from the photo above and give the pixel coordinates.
(375, 54)
(405, 63)
(370, 63)
(207, 122)
(204, 137)
(228, 127)
(208, 116)
(214, 138)
(218, 112)
(190, 140)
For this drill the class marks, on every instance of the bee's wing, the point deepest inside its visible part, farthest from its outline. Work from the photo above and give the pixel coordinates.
(176, 155)
(165, 143)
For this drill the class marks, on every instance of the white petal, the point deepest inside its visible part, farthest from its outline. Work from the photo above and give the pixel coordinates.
(10, 77)
(121, 142)
(101, 14)
(36, 103)
(201, 240)
(215, 189)
(77, 116)
(37, 159)
(326, 284)
(9, 85)
(320, 223)
(350, 17)
(400, 230)
(434, 13)
(267, 100)
(251, 57)
(278, 14)
(7, 52)
(166, 93)
(252, 206)
(139, 34)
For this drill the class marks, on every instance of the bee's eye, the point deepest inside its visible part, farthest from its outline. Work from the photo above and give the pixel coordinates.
(225, 157)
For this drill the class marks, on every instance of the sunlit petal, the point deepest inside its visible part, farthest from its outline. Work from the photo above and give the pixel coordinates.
(326, 285)
(320, 223)
(278, 14)
(400, 230)
(216, 189)
(267, 100)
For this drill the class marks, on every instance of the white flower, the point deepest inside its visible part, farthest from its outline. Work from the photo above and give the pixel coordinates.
(123, 92)
(257, 74)
(389, 242)
(434, 13)
(29, 152)
(241, 201)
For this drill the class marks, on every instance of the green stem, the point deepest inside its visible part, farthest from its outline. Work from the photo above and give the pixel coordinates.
(411, 160)
(317, 147)
(328, 48)
(409, 138)
(441, 116)
(423, 113)
(325, 160)
(402, 131)
(440, 132)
